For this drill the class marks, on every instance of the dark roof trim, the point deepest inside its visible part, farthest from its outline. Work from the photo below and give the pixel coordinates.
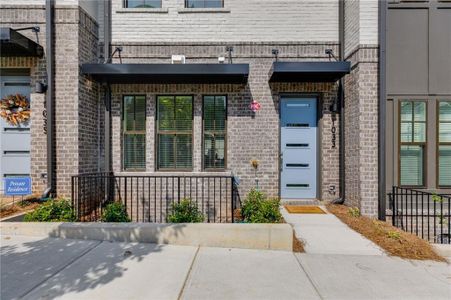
(168, 73)
(321, 71)
(13, 44)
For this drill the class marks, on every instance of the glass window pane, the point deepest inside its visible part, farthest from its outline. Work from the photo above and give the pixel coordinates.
(184, 113)
(203, 3)
(419, 132)
(445, 110)
(445, 133)
(129, 112)
(411, 165)
(140, 113)
(406, 132)
(135, 151)
(184, 151)
(406, 111)
(175, 113)
(166, 146)
(143, 3)
(214, 148)
(220, 112)
(445, 165)
(420, 111)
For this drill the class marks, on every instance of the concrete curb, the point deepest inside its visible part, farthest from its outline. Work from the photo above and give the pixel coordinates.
(247, 236)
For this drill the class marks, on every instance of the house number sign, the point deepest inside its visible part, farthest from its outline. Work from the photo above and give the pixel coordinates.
(334, 133)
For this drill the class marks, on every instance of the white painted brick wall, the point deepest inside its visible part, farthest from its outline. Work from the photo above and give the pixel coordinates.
(369, 22)
(361, 24)
(250, 20)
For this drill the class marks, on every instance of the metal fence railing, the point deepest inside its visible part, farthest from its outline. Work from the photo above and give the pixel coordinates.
(422, 213)
(149, 198)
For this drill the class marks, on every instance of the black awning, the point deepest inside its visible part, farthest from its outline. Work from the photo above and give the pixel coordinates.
(321, 71)
(168, 73)
(14, 44)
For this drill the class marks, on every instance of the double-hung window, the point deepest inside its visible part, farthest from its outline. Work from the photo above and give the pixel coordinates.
(444, 143)
(412, 143)
(204, 3)
(134, 132)
(214, 132)
(142, 3)
(175, 132)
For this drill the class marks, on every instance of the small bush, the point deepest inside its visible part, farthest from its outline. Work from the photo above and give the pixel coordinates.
(257, 208)
(354, 212)
(115, 212)
(52, 211)
(185, 212)
(395, 235)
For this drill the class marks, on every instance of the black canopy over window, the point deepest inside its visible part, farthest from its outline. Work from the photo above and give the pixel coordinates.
(12, 43)
(321, 71)
(168, 73)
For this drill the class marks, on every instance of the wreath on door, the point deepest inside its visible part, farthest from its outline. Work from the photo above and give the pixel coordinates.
(15, 109)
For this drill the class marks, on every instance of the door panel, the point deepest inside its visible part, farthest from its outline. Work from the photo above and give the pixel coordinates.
(298, 137)
(14, 140)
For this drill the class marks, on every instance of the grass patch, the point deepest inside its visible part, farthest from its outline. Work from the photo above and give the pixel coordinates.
(393, 240)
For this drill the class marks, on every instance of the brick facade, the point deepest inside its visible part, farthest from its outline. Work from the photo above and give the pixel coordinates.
(79, 111)
(260, 130)
(78, 115)
(361, 126)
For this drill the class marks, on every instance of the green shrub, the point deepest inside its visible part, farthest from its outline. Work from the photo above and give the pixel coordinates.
(354, 212)
(52, 211)
(115, 212)
(185, 212)
(257, 208)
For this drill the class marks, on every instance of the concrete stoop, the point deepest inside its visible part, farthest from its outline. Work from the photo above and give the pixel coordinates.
(246, 236)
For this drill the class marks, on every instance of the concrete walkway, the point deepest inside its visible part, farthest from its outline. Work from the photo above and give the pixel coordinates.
(45, 268)
(326, 234)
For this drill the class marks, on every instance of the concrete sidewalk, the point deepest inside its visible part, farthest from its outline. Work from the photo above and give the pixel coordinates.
(326, 234)
(46, 268)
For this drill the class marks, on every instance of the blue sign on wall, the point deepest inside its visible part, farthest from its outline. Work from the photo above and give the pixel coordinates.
(17, 186)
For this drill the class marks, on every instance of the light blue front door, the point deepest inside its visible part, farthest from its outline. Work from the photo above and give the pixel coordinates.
(14, 140)
(298, 138)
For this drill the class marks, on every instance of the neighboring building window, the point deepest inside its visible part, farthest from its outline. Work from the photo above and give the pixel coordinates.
(444, 144)
(214, 131)
(412, 143)
(142, 4)
(134, 132)
(204, 3)
(175, 132)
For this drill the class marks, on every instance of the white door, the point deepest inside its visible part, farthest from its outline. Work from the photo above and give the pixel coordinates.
(298, 139)
(14, 140)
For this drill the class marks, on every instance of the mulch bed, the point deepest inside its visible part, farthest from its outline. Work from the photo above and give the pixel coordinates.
(393, 240)
(18, 207)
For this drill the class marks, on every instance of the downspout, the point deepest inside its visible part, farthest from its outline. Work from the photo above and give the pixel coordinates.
(107, 111)
(49, 13)
(382, 110)
(342, 173)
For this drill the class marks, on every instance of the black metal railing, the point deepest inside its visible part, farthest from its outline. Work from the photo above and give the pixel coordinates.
(149, 198)
(422, 213)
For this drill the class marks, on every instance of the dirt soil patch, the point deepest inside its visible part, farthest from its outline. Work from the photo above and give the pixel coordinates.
(393, 240)
(10, 209)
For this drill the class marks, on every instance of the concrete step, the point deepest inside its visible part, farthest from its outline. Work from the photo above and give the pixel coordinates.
(300, 202)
